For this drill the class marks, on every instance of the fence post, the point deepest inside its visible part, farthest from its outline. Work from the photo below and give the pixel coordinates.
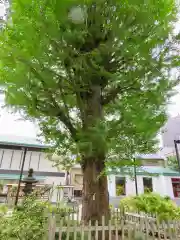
(116, 229)
(82, 230)
(146, 228)
(89, 231)
(60, 229)
(109, 229)
(52, 228)
(165, 228)
(96, 230)
(103, 225)
(170, 233)
(158, 228)
(122, 229)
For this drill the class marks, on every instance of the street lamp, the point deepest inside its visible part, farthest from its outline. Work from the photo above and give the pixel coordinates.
(176, 142)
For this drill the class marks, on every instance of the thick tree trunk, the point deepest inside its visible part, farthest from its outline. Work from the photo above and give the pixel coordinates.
(95, 191)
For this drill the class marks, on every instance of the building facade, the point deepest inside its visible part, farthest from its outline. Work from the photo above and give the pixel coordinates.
(152, 176)
(171, 132)
(77, 180)
(12, 150)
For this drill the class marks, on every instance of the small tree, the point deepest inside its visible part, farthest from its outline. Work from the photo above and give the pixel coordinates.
(172, 162)
(95, 75)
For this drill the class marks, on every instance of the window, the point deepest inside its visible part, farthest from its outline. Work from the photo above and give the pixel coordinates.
(120, 186)
(176, 186)
(147, 183)
(79, 179)
(77, 193)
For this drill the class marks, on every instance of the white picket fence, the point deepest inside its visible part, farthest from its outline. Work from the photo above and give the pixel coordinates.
(126, 226)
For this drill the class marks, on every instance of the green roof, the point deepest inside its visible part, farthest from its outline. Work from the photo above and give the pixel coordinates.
(146, 170)
(21, 141)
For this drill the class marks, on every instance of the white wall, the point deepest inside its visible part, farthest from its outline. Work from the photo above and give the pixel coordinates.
(161, 185)
(10, 159)
(111, 185)
(130, 186)
(168, 187)
(140, 184)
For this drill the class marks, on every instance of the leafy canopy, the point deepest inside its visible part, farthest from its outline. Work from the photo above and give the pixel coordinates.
(94, 74)
(172, 162)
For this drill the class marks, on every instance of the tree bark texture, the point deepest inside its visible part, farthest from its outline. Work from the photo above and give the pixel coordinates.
(95, 188)
(95, 192)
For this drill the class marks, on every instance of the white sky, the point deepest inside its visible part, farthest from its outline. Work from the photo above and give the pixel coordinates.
(174, 107)
(10, 124)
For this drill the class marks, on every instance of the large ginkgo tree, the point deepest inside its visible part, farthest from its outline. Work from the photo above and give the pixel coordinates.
(96, 75)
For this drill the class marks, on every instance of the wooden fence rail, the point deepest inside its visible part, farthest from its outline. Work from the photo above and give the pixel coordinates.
(118, 228)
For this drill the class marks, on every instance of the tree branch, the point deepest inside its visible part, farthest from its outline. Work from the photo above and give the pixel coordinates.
(113, 93)
(63, 118)
(61, 114)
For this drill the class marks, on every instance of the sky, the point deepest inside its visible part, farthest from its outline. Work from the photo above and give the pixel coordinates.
(10, 124)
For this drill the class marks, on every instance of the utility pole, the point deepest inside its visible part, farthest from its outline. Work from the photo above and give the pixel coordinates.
(135, 176)
(20, 177)
(176, 142)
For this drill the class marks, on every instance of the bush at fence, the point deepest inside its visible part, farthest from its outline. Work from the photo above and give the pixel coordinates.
(29, 221)
(26, 222)
(61, 209)
(152, 203)
(3, 210)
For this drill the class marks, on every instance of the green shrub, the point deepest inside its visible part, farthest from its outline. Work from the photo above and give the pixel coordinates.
(152, 203)
(29, 220)
(3, 210)
(61, 208)
(119, 190)
(26, 222)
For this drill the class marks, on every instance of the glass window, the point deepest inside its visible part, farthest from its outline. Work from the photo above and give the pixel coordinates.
(176, 186)
(147, 183)
(120, 186)
(77, 193)
(79, 179)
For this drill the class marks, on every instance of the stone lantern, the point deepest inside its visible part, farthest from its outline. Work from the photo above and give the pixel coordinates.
(29, 181)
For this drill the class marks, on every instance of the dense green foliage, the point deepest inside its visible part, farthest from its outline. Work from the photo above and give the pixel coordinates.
(52, 64)
(29, 221)
(3, 209)
(173, 163)
(151, 203)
